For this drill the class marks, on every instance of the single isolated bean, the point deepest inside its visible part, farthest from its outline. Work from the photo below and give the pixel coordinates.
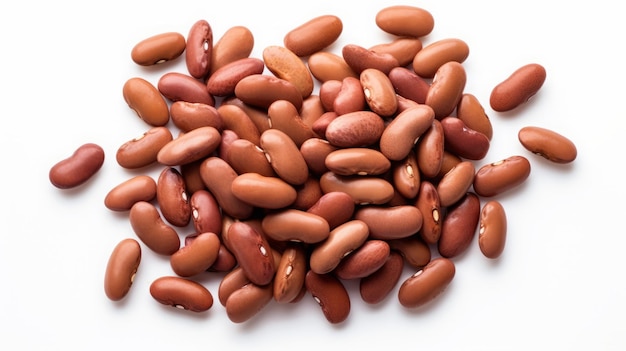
(492, 229)
(518, 88)
(75, 170)
(181, 293)
(158, 49)
(497, 177)
(547, 144)
(121, 269)
(405, 20)
(427, 283)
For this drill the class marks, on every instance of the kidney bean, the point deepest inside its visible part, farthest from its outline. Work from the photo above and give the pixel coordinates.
(198, 51)
(446, 89)
(172, 197)
(188, 116)
(459, 226)
(246, 157)
(463, 141)
(326, 66)
(408, 84)
(429, 150)
(225, 261)
(406, 176)
(231, 282)
(362, 189)
(121, 269)
(247, 301)
(312, 109)
(365, 260)
(75, 170)
(401, 134)
(455, 183)
(252, 251)
(290, 272)
(360, 58)
(284, 156)
(518, 88)
(335, 207)
(492, 229)
(390, 222)
(350, 98)
(497, 177)
(260, 90)
(429, 204)
(142, 151)
(223, 81)
(432, 56)
(189, 147)
(144, 98)
(357, 161)
(236, 43)
(158, 49)
(295, 225)
(380, 94)
(314, 151)
(262, 191)
(237, 120)
(285, 64)
(341, 241)
(406, 20)
(205, 212)
(307, 194)
(181, 293)
(197, 256)
(427, 283)
(355, 129)
(284, 116)
(313, 35)
(147, 223)
(415, 251)
(377, 286)
(191, 174)
(124, 195)
(177, 86)
(403, 49)
(218, 177)
(547, 144)
(471, 112)
(331, 295)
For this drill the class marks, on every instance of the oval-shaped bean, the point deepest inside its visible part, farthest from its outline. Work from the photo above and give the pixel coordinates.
(331, 295)
(472, 113)
(464, 141)
(335, 207)
(459, 226)
(455, 183)
(427, 283)
(284, 156)
(197, 256)
(492, 229)
(497, 177)
(408, 84)
(191, 174)
(150, 228)
(403, 49)
(392, 222)
(355, 129)
(341, 241)
(146, 100)
(236, 43)
(518, 88)
(158, 48)
(548, 144)
(121, 269)
(349, 98)
(325, 66)
(365, 260)
(142, 150)
(430, 206)
(261, 90)
(376, 287)
(284, 116)
(181, 293)
(428, 60)
(446, 89)
(290, 272)
(406, 176)
(205, 212)
(401, 134)
(198, 51)
(262, 191)
(232, 281)
(295, 225)
(172, 197)
(124, 195)
(247, 301)
(380, 94)
(357, 161)
(252, 251)
(315, 151)
(188, 116)
(246, 157)
(177, 86)
(360, 58)
(405, 20)
(313, 35)
(285, 64)
(223, 81)
(363, 189)
(189, 147)
(75, 170)
(236, 119)
(429, 150)
(415, 251)
(218, 176)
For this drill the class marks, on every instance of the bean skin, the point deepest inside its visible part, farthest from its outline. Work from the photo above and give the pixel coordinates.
(198, 51)
(121, 269)
(75, 170)
(158, 49)
(518, 88)
(124, 195)
(181, 293)
(378, 285)
(497, 177)
(459, 226)
(252, 251)
(314, 35)
(427, 284)
(548, 144)
(152, 230)
(492, 229)
(330, 293)
(205, 212)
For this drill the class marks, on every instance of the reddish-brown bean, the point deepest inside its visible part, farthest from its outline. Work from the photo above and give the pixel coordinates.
(427, 283)
(75, 170)
(188, 116)
(198, 51)
(547, 144)
(392, 222)
(121, 269)
(189, 147)
(197, 256)
(355, 129)
(181, 293)
(492, 229)
(330, 293)
(497, 177)
(459, 226)
(142, 150)
(365, 260)
(252, 251)
(205, 212)
(377, 286)
(124, 195)
(150, 228)
(518, 88)
(405, 20)
(144, 98)
(313, 35)
(428, 60)
(236, 43)
(172, 197)
(223, 81)
(158, 49)
(177, 86)
(464, 141)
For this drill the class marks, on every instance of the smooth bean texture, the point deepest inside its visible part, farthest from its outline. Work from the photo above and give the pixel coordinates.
(75, 170)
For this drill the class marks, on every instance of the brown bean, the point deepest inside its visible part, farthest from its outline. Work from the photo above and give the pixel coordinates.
(392, 222)
(406, 176)
(459, 226)
(121, 269)
(181, 293)
(285, 64)
(284, 116)
(430, 149)
(365, 260)
(247, 301)
(177, 86)
(415, 251)
(315, 151)
(158, 49)
(335, 207)
(252, 251)
(432, 56)
(330, 293)
(454, 184)
(463, 141)
(548, 144)
(357, 161)
(313, 35)
(472, 113)
(295, 225)
(341, 241)
(246, 157)
(380, 94)
(405, 20)
(430, 206)
(329, 91)
(497, 177)
(408, 84)
(172, 197)
(355, 129)
(225, 261)
(290, 272)
(75, 170)
(401, 134)
(325, 66)
(218, 176)
(191, 174)
(492, 229)
(142, 150)
(198, 51)
(189, 147)
(205, 212)
(262, 191)
(360, 58)
(232, 281)
(377, 286)
(223, 81)
(197, 256)
(150, 228)
(362, 189)
(446, 89)
(236, 119)
(427, 283)
(350, 98)
(312, 109)
(284, 156)
(403, 49)
(236, 43)
(144, 98)
(518, 88)
(188, 116)
(124, 195)
(261, 90)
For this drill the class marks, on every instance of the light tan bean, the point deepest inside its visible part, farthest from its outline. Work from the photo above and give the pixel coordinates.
(405, 20)
(285, 64)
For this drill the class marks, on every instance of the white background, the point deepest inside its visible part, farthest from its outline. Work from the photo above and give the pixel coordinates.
(558, 285)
